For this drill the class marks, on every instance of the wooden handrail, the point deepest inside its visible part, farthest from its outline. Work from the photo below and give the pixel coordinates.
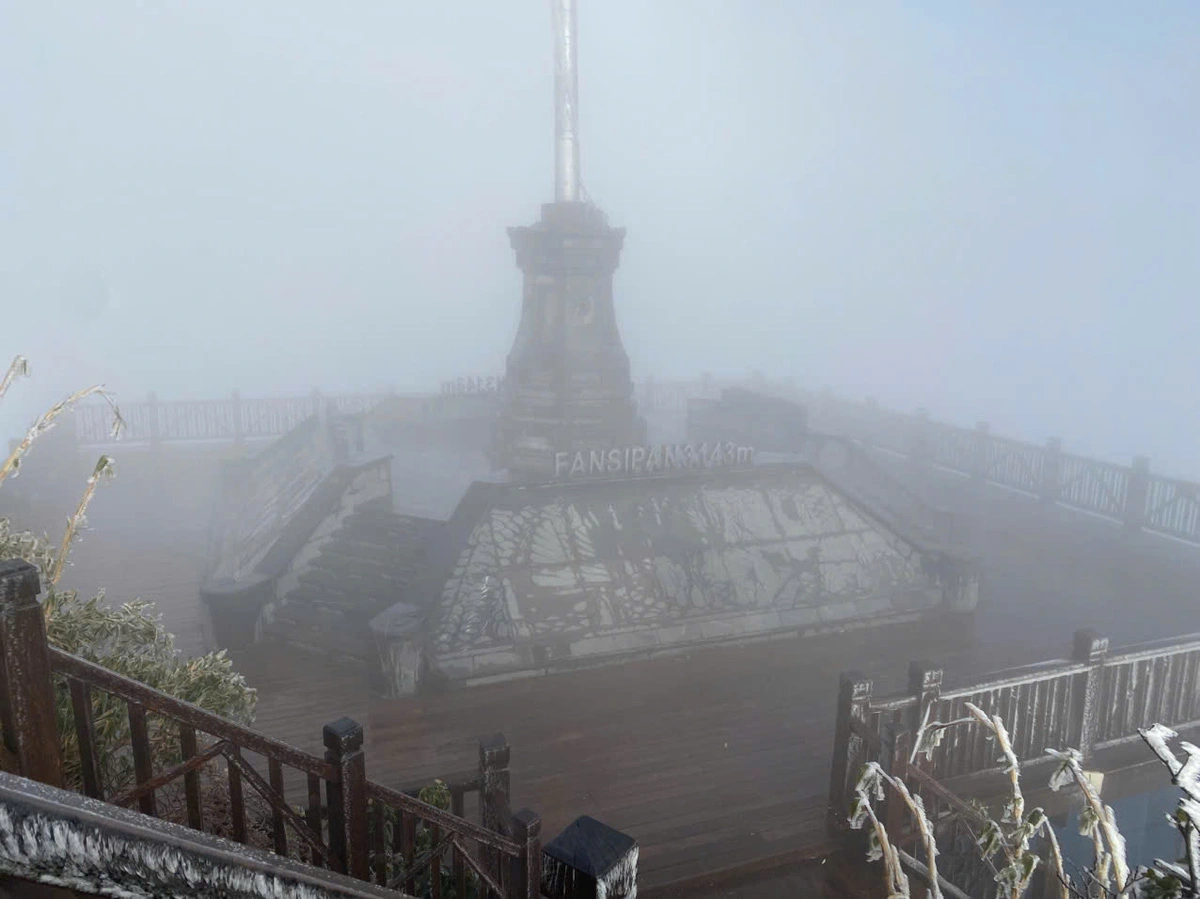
(186, 713)
(279, 805)
(1062, 669)
(146, 787)
(1154, 649)
(482, 874)
(1082, 702)
(434, 815)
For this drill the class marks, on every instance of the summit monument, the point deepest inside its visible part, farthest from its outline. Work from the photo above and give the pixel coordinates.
(567, 386)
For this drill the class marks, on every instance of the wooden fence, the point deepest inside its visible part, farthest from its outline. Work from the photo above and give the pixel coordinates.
(236, 419)
(259, 494)
(1092, 701)
(1131, 494)
(345, 822)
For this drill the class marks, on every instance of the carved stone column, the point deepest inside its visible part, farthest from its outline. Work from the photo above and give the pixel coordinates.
(567, 385)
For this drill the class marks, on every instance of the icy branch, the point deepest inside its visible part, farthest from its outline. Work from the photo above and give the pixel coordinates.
(46, 421)
(1185, 775)
(18, 369)
(869, 786)
(1096, 821)
(103, 470)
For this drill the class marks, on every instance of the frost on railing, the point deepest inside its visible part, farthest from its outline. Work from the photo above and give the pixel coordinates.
(1173, 507)
(1091, 701)
(1032, 705)
(1156, 684)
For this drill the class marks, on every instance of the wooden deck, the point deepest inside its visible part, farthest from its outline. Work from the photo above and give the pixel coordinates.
(711, 759)
(714, 759)
(720, 758)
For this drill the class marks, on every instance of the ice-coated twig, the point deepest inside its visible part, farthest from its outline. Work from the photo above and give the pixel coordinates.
(1185, 774)
(18, 369)
(103, 470)
(870, 785)
(46, 421)
(1097, 821)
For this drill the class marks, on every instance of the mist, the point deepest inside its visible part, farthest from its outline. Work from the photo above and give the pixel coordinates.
(987, 211)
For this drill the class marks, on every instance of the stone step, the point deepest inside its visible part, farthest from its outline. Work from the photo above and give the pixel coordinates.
(379, 534)
(328, 599)
(342, 557)
(382, 515)
(360, 569)
(331, 617)
(369, 552)
(347, 603)
(360, 573)
(354, 591)
(323, 641)
(351, 581)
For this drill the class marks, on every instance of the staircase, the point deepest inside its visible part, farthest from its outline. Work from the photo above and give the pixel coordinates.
(369, 564)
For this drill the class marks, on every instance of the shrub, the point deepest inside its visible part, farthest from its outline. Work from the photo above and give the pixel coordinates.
(128, 639)
(1006, 843)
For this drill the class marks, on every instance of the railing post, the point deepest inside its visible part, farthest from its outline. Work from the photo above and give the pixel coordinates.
(494, 754)
(925, 683)
(1051, 472)
(979, 458)
(919, 452)
(865, 435)
(526, 880)
(155, 434)
(347, 798)
(1091, 649)
(493, 790)
(27, 706)
(854, 696)
(590, 860)
(239, 436)
(1135, 494)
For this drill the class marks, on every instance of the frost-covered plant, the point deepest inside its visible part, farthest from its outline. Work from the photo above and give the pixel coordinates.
(1009, 840)
(870, 787)
(1182, 877)
(20, 368)
(128, 639)
(1110, 869)
(1004, 844)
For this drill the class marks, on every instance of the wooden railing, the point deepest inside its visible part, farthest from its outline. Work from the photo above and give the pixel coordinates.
(346, 823)
(261, 492)
(857, 473)
(236, 419)
(1092, 701)
(1131, 494)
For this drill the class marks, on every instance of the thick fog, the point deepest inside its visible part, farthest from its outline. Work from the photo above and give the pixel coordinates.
(990, 210)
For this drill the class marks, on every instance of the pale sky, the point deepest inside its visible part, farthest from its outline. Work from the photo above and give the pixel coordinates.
(988, 209)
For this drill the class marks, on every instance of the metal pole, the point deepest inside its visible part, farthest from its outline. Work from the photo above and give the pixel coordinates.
(566, 102)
